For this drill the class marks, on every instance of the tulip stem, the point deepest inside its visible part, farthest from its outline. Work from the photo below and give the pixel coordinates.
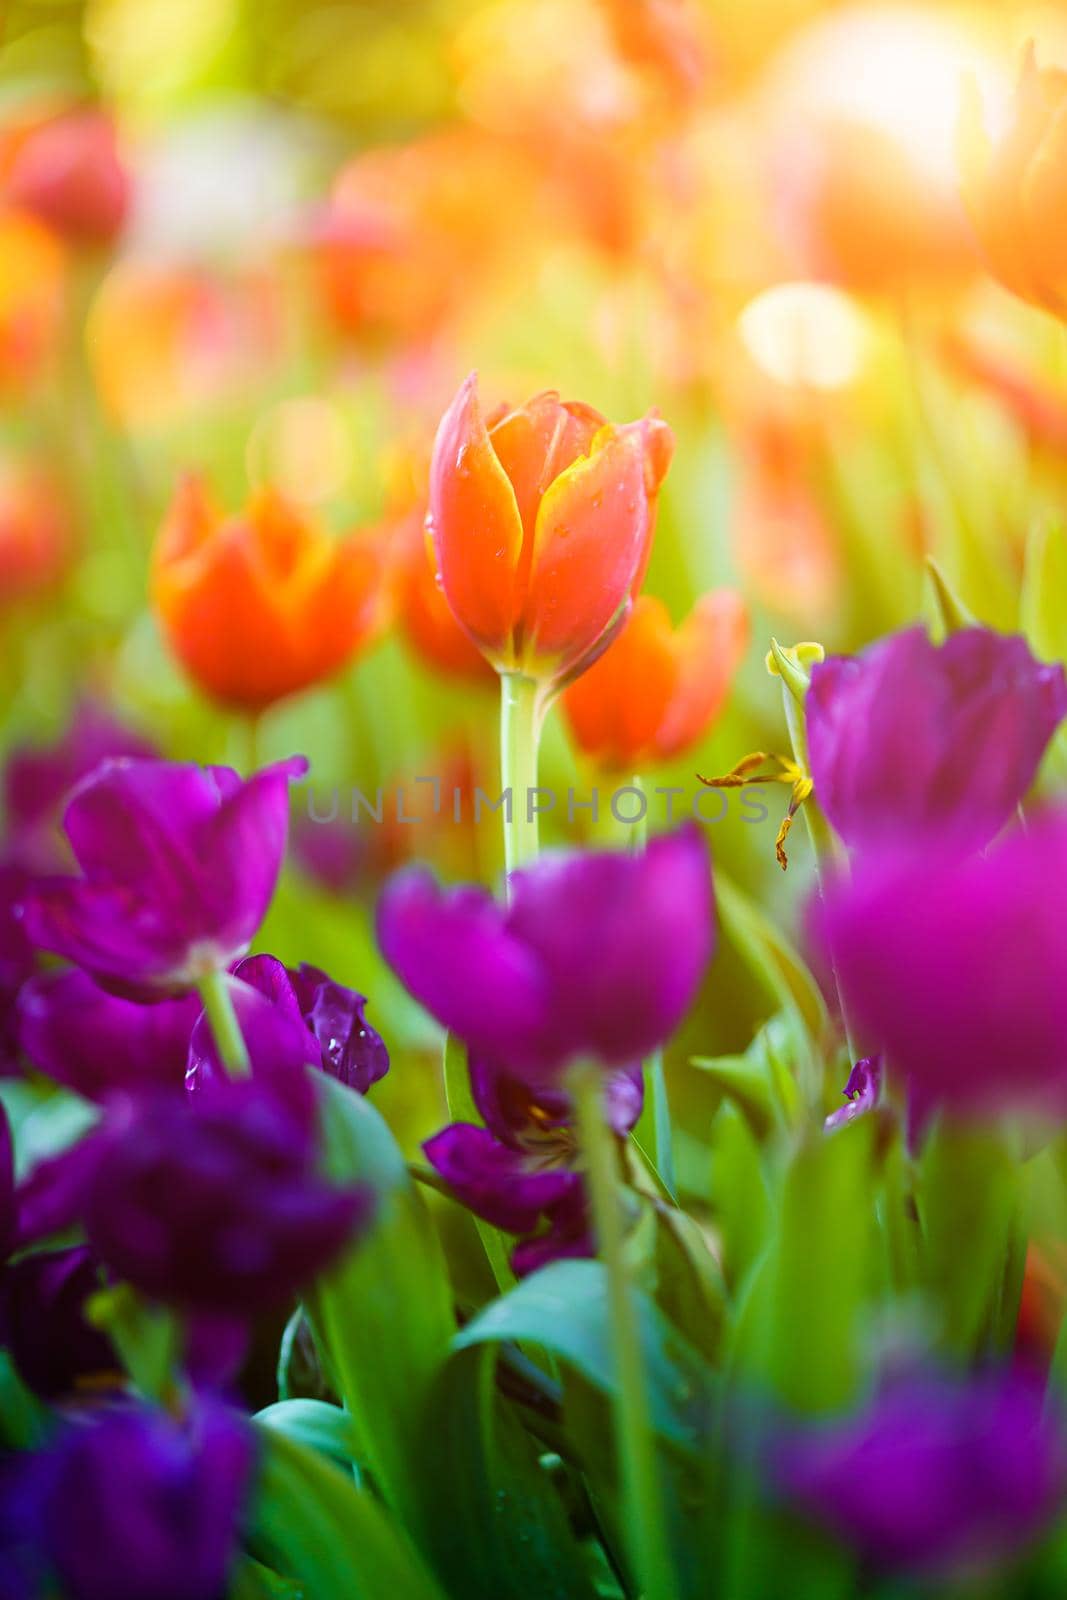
(520, 732)
(656, 1117)
(215, 993)
(643, 1516)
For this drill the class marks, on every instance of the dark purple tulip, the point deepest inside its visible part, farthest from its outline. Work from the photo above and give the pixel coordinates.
(911, 740)
(16, 963)
(98, 1044)
(955, 970)
(38, 778)
(132, 1503)
(936, 1474)
(308, 1019)
(42, 1321)
(596, 956)
(213, 1203)
(520, 1169)
(178, 867)
(861, 1093)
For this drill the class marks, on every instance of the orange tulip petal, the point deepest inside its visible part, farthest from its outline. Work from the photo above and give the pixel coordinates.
(591, 544)
(710, 646)
(616, 707)
(475, 524)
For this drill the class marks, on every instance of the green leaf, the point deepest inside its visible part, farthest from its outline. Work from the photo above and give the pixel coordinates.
(770, 955)
(24, 1421)
(310, 1523)
(967, 1198)
(496, 1529)
(797, 1330)
(462, 1108)
(564, 1309)
(383, 1317)
(739, 1197)
(761, 1082)
(1043, 602)
(316, 1424)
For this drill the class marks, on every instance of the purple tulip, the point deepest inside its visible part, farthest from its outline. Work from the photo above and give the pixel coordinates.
(16, 963)
(936, 1475)
(596, 956)
(130, 1502)
(42, 1321)
(955, 970)
(178, 867)
(38, 778)
(911, 740)
(98, 1044)
(211, 1203)
(291, 1018)
(519, 1169)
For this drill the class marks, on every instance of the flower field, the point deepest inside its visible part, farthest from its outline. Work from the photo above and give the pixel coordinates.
(533, 800)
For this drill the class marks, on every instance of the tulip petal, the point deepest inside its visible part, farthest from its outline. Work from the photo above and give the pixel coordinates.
(475, 524)
(493, 1180)
(591, 545)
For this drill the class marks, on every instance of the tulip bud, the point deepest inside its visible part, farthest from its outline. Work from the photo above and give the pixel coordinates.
(65, 169)
(542, 526)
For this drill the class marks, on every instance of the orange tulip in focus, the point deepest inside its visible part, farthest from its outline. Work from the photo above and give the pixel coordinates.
(1015, 186)
(657, 690)
(64, 167)
(263, 604)
(36, 536)
(32, 288)
(542, 526)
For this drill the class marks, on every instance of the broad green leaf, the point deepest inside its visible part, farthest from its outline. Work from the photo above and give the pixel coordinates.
(564, 1309)
(1043, 602)
(967, 1197)
(797, 1329)
(310, 1523)
(492, 1520)
(315, 1423)
(383, 1317)
(24, 1421)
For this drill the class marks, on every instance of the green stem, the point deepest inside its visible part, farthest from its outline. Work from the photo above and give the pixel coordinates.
(656, 1116)
(215, 993)
(824, 846)
(642, 1502)
(520, 733)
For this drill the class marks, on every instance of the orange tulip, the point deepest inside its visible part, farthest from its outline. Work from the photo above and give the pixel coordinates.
(263, 604)
(32, 292)
(1015, 186)
(542, 526)
(657, 689)
(36, 533)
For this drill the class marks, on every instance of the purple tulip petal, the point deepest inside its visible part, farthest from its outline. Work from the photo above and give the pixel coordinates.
(493, 1180)
(97, 1044)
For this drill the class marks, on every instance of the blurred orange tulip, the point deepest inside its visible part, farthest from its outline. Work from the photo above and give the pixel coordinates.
(167, 338)
(781, 537)
(1015, 186)
(63, 166)
(32, 289)
(424, 613)
(542, 526)
(657, 689)
(263, 604)
(36, 533)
